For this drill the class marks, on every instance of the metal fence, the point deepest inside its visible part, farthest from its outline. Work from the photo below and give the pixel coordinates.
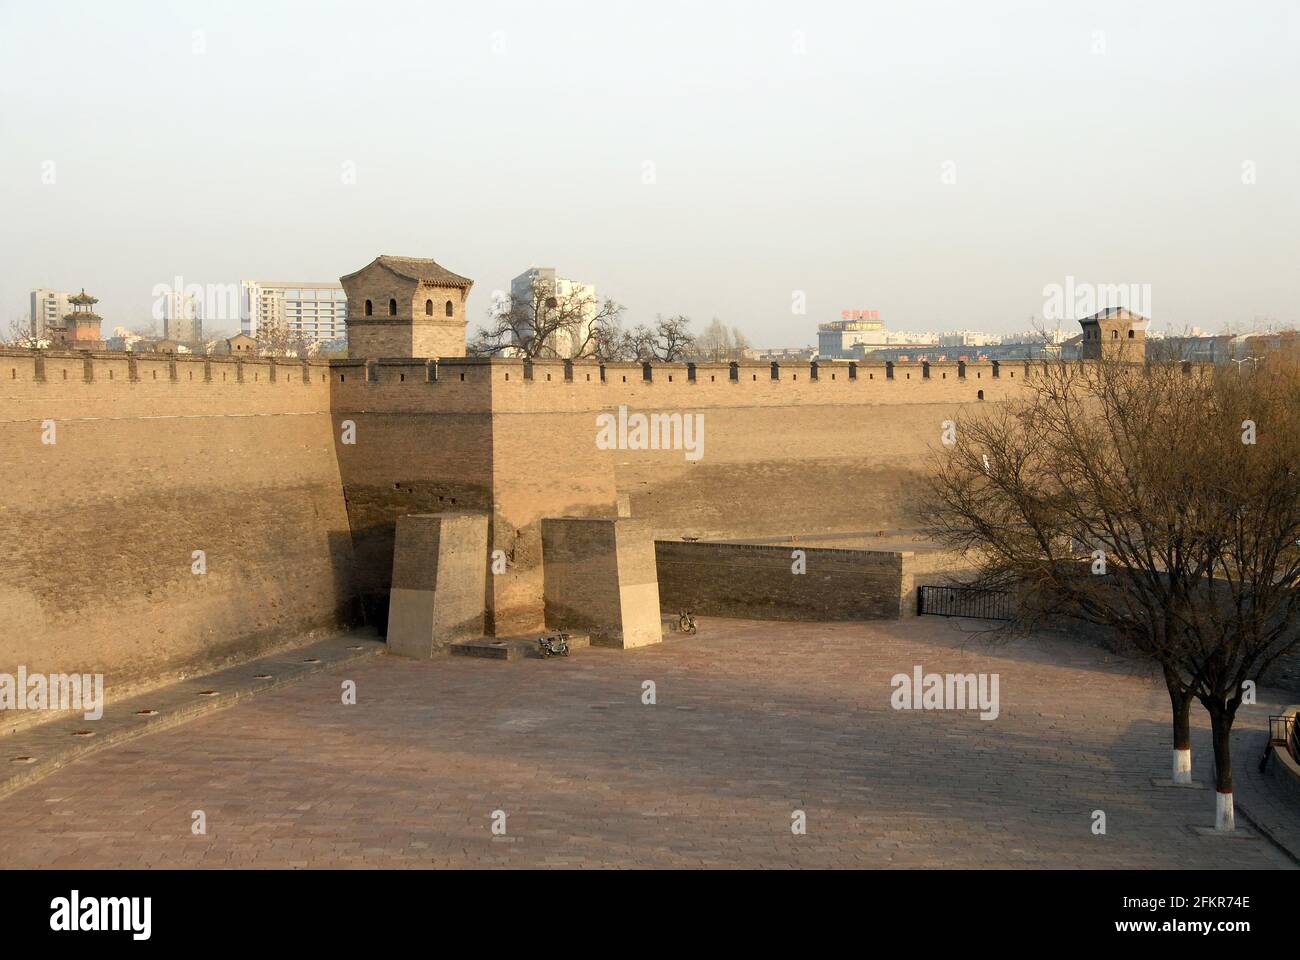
(963, 602)
(1282, 732)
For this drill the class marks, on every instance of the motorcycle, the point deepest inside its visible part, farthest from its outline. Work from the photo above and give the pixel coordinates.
(553, 645)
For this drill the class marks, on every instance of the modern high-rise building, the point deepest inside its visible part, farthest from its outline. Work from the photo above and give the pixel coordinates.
(317, 311)
(542, 281)
(49, 307)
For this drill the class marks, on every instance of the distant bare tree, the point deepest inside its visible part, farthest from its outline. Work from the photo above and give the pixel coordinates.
(612, 343)
(22, 334)
(549, 322)
(669, 341)
(1158, 501)
(719, 342)
(277, 340)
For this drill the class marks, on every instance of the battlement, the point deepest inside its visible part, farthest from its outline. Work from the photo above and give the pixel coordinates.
(517, 386)
(494, 385)
(291, 474)
(39, 366)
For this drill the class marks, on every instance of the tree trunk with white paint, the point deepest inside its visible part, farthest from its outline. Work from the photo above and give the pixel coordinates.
(1223, 813)
(1180, 699)
(1221, 730)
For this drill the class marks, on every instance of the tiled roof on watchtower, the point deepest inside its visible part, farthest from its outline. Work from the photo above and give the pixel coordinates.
(1116, 332)
(420, 268)
(406, 307)
(1116, 313)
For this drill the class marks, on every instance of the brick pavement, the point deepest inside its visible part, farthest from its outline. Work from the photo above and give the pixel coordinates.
(34, 751)
(753, 721)
(1260, 799)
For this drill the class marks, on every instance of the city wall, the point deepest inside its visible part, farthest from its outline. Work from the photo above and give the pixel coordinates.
(786, 449)
(759, 582)
(291, 475)
(152, 459)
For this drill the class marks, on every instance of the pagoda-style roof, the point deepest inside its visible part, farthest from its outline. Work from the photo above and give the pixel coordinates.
(83, 298)
(1116, 313)
(417, 268)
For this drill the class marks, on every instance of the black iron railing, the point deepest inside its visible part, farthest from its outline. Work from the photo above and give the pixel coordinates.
(1282, 732)
(964, 602)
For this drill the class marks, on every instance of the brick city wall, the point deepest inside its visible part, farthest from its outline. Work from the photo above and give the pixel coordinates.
(790, 454)
(159, 456)
(758, 582)
(154, 459)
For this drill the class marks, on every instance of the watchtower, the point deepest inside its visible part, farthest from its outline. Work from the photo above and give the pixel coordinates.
(80, 330)
(405, 307)
(1116, 334)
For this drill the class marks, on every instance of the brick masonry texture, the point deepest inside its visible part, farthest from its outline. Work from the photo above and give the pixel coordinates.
(411, 332)
(232, 458)
(439, 581)
(600, 579)
(753, 721)
(747, 580)
(160, 456)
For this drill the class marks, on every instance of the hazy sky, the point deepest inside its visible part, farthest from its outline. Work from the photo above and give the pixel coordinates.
(791, 147)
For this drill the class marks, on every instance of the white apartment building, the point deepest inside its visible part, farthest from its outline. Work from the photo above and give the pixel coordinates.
(839, 337)
(968, 338)
(315, 310)
(48, 310)
(521, 292)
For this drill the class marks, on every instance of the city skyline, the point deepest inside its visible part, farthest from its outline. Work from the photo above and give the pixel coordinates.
(876, 169)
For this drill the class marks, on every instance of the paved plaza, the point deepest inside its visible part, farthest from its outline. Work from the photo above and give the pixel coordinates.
(753, 721)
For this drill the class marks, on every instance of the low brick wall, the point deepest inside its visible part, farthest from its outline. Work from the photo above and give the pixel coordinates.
(757, 582)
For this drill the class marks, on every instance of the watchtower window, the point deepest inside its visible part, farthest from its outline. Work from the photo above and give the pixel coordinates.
(370, 308)
(450, 308)
(1130, 334)
(980, 395)
(392, 308)
(428, 308)
(1114, 334)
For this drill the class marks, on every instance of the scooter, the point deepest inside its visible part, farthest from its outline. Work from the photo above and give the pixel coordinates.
(553, 645)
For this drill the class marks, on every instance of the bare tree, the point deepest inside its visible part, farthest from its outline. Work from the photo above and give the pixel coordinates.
(719, 342)
(669, 341)
(1158, 501)
(277, 340)
(611, 343)
(550, 322)
(22, 333)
